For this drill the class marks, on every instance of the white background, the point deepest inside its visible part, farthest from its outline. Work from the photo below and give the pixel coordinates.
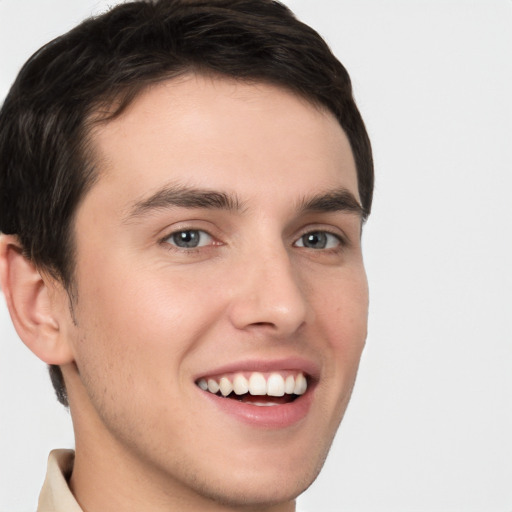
(430, 424)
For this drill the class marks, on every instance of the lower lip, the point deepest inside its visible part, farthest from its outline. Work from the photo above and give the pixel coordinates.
(274, 416)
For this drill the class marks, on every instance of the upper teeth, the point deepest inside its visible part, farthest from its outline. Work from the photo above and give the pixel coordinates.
(273, 384)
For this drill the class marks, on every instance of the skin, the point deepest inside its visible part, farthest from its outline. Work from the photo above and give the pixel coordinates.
(150, 317)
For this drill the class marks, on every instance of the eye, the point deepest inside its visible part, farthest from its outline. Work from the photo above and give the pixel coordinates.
(189, 239)
(318, 240)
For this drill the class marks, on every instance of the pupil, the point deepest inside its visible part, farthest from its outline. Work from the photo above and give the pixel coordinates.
(186, 238)
(315, 240)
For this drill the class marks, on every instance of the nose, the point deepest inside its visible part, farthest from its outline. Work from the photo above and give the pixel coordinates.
(268, 294)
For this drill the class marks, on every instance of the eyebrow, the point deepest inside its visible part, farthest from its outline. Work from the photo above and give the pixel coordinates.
(190, 197)
(339, 200)
(184, 197)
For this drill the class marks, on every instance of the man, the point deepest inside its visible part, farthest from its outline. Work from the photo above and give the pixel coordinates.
(183, 189)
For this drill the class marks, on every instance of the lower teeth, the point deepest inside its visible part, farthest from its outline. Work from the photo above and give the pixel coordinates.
(260, 400)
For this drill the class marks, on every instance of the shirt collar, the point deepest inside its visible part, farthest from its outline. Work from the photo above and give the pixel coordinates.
(55, 495)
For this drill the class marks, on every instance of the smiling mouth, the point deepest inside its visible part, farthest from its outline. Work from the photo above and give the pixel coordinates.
(257, 388)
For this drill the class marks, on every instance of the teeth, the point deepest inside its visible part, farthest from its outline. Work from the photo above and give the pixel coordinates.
(225, 386)
(240, 385)
(256, 385)
(289, 385)
(275, 385)
(213, 386)
(300, 385)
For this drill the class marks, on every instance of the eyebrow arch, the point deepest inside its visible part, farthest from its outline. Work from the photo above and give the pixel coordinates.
(333, 201)
(184, 197)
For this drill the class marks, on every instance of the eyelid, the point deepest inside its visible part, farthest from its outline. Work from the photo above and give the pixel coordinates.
(339, 239)
(165, 240)
(333, 231)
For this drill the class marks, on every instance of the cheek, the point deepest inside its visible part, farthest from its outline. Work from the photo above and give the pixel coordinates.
(132, 345)
(343, 309)
(342, 315)
(142, 322)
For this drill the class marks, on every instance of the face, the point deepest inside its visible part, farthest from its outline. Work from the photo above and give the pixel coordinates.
(218, 254)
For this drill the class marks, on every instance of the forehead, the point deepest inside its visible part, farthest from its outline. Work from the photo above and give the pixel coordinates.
(213, 132)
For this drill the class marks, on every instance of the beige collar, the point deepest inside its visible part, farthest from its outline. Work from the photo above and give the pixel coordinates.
(55, 495)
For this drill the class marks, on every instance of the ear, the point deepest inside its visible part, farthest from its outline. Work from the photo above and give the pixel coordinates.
(36, 304)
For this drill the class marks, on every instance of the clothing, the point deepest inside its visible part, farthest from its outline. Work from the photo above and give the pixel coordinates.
(55, 495)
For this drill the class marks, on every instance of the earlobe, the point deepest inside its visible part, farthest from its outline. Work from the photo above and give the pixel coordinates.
(33, 304)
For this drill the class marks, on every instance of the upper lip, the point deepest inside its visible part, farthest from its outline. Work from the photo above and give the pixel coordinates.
(297, 363)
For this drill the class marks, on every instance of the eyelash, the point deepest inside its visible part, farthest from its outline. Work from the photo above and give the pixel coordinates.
(174, 246)
(341, 241)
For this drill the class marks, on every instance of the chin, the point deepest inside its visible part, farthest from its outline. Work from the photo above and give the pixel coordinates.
(269, 483)
(258, 494)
